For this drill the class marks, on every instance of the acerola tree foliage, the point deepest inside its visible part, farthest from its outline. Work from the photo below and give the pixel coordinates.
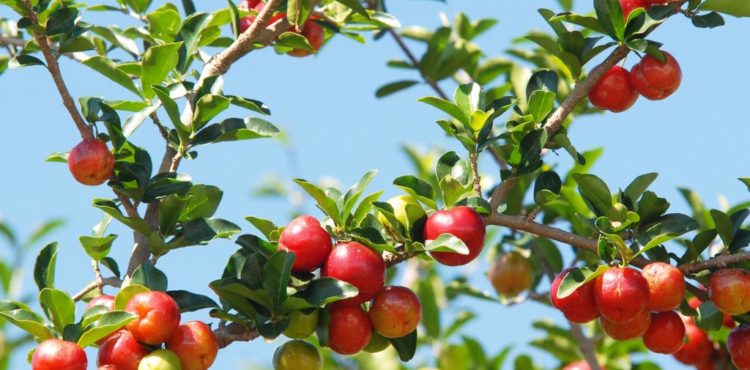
(642, 279)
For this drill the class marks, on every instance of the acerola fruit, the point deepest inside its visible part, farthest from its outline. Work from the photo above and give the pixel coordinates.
(302, 325)
(666, 334)
(357, 265)
(315, 36)
(91, 162)
(309, 242)
(377, 343)
(349, 330)
(698, 347)
(729, 290)
(297, 355)
(102, 300)
(161, 359)
(630, 5)
(631, 329)
(621, 294)
(738, 344)
(579, 307)
(656, 80)
(122, 350)
(195, 344)
(511, 274)
(666, 286)
(395, 311)
(613, 91)
(158, 317)
(462, 222)
(56, 354)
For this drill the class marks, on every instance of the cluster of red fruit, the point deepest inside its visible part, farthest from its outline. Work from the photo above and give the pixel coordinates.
(311, 30)
(138, 346)
(634, 304)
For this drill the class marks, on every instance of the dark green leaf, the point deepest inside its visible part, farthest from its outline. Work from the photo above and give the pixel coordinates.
(44, 268)
(406, 346)
(325, 290)
(58, 306)
(158, 61)
(62, 21)
(394, 87)
(107, 324)
(190, 302)
(97, 247)
(149, 276)
(109, 69)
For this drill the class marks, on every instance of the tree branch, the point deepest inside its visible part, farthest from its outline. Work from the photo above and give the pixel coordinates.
(226, 334)
(415, 63)
(109, 281)
(585, 345)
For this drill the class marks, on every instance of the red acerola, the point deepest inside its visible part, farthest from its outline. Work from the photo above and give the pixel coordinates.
(314, 34)
(56, 354)
(158, 317)
(195, 345)
(729, 290)
(631, 329)
(613, 91)
(102, 300)
(621, 294)
(91, 162)
(462, 222)
(579, 307)
(309, 242)
(666, 286)
(357, 265)
(666, 333)
(738, 344)
(698, 347)
(256, 5)
(349, 330)
(395, 311)
(122, 350)
(656, 80)
(630, 5)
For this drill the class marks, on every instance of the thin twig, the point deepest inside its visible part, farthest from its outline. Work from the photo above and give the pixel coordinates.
(109, 281)
(226, 334)
(586, 346)
(501, 192)
(97, 275)
(415, 63)
(473, 159)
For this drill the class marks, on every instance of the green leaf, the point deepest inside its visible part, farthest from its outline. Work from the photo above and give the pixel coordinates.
(639, 185)
(541, 104)
(447, 243)
(111, 264)
(354, 192)
(251, 104)
(394, 87)
(546, 187)
(190, 302)
(190, 35)
(158, 61)
(469, 98)
(58, 306)
(666, 228)
(724, 226)
(585, 21)
(326, 204)
(417, 188)
(709, 317)
(105, 325)
(611, 18)
(203, 200)
(446, 106)
(109, 207)
(24, 61)
(42, 231)
(298, 11)
(708, 20)
(109, 69)
(267, 227)
(595, 192)
(276, 274)
(406, 346)
(126, 294)
(430, 310)
(140, 6)
(172, 111)
(44, 268)
(62, 21)
(577, 277)
(21, 316)
(355, 6)
(234, 129)
(149, 276)
(254, 244)
(208, 107)
(737, 8)
(325, 290)
(97, 247)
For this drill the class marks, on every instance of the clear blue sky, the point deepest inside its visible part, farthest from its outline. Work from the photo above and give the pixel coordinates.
(326, 105)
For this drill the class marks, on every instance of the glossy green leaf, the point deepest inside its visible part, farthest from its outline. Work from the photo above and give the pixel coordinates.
(109, 69)
(234, 129)
(447, 243)
(737, 8)
(105, 325)
(21, 316)
(577, 277)
(189, 301)
(325, 290)
(149, 276)
(326, 204)
(406, 346)
(157, 62)
(126, 293)
(97, 247)
(58, 306)
(44, 268)
(394, 87)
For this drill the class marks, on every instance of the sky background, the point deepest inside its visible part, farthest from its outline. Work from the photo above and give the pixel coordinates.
(326, 106)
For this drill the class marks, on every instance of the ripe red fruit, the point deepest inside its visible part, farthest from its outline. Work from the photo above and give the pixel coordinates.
(108, 367)
(729, 290)
(122, 350)
(631, 329)
(314, 34)
(511, 274)
(56, 354)
(158, 317)
(195, 345)
(630, 5)
(738, 344)
(614, 92)
(621, 294)
(666, 333)
(102, 300)
(656, 80)
(91, 162)
(395, 311)
(579, 307)
(357, 265)
(349, 330)
(462, 222)
(256, 5)
(309, 242)
(698, 347)
(666, 286)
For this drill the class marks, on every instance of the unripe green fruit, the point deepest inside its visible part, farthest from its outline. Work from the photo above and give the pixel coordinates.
(297, 355)
(302, 325)
(377, 343)
(161, 359)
